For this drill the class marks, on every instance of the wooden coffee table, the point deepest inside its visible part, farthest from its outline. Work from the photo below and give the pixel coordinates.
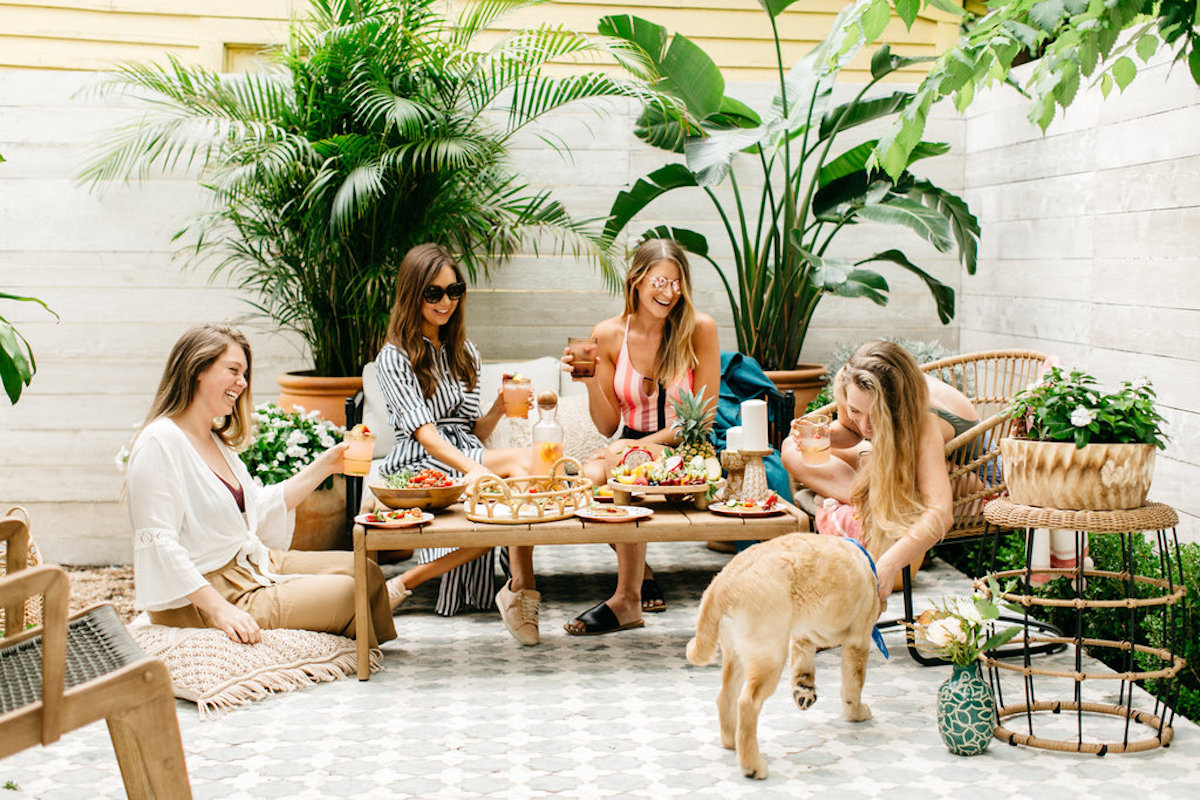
(671, 522)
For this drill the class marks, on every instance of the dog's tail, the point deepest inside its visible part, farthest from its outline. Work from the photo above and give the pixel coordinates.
(703, 646)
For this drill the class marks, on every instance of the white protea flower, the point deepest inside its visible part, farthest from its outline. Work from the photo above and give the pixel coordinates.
(1081, 417)
(942, 632)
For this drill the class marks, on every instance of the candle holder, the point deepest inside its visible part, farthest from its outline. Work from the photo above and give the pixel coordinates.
(734, 464)
(754, 476)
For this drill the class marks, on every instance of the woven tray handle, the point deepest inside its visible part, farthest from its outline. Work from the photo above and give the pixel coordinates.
(491, 483)
(562, 463)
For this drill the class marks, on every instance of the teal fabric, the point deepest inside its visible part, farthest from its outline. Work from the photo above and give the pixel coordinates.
(743, 379)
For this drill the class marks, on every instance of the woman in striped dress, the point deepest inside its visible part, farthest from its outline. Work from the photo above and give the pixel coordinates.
(644, 357)
(429, 374)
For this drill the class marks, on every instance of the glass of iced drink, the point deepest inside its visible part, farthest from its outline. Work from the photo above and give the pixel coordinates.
(356, 460)
(812, 434)
(517, 392)
(583, 352)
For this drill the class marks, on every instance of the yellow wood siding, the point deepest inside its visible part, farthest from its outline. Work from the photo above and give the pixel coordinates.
(225, 34)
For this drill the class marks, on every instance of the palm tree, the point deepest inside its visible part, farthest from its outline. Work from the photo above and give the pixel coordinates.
(379, 128)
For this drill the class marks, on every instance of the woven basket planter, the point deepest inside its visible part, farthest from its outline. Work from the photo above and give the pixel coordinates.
(1096, 477)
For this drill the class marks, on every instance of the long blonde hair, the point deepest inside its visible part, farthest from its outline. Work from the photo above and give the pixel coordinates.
(886, 492)
(418, 270)
(676, 355)
(197, 350)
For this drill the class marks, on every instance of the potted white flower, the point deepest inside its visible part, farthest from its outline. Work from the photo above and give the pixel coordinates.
(1076, 447)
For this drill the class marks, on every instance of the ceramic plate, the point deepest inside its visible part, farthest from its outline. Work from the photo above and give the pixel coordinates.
(425, 519)
(601, 498)
(735, 511)
(613, 513)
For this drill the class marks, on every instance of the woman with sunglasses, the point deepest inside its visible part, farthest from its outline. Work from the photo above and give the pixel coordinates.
(644, 358)
(429, 373)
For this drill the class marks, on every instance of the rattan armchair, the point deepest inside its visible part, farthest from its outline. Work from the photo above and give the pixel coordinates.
(989, 379)
(67, 673)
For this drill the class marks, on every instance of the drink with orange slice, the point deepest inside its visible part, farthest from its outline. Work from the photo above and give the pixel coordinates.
(812, 434)
(357, 458)
(517, 390)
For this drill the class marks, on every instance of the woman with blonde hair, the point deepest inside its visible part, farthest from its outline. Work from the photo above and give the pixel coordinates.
(888, 461)
(210, 545)
(657, 347)
(429, 374)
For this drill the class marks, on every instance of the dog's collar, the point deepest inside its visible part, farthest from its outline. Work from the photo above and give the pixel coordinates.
(876, 635)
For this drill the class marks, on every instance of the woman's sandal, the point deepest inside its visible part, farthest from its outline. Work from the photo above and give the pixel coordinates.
(653, 601)
(600, 619)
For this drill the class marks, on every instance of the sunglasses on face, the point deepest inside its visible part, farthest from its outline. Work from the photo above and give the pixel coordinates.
(433, 294)
(658, 282)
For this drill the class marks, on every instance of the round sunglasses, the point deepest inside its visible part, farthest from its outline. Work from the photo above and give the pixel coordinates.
(657, 282)
(433, 294)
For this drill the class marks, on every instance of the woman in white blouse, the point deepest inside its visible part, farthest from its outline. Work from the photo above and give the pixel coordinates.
(210, 545)
(429, 374)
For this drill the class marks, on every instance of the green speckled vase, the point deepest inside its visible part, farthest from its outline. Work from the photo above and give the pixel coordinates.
(966, 711)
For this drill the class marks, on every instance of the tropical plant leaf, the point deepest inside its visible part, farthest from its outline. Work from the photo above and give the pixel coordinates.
(920, 219)
(711, 157)
(963, 224)
(839, 276)
(849, 115)
(644, 191)
(943, 295)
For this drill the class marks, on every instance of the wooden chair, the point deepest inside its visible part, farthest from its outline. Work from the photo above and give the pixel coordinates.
(67, 673)
(989, 379)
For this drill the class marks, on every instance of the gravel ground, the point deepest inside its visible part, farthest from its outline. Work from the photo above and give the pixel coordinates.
(112, 584)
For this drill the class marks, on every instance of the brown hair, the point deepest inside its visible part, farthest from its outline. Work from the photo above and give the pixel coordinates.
(676, 355)
(417, 271)
(197, 350)
(886, 492)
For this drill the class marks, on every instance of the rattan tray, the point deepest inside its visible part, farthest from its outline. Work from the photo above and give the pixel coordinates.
(528, 499)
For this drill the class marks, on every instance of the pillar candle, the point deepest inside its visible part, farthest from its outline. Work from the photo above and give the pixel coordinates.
(754, 425)
(733, 438)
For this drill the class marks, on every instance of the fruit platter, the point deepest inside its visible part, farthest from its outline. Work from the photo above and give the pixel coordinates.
(429, 489)
(405, 518)
(671, 475)
(748, 508)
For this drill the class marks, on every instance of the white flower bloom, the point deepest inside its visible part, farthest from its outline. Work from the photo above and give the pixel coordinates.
(326, 441)
(296, 437)
(968, 611)
(1082, 417)
(937, 633)
(1141, 383)
(261, 468)
(279, 456)
(296, 451)
(314, 414)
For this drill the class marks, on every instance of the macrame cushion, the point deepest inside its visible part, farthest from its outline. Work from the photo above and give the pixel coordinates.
(217, 674)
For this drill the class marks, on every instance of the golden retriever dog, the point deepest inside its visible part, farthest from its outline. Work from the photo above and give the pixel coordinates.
(802, 590)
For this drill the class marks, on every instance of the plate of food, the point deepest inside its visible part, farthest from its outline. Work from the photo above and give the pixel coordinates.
(405, 518)
(429, 489)
(612, 513)
(748, 508)
(602, 494)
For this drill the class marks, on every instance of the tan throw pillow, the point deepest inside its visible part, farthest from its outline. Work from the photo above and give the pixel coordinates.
(218, 674)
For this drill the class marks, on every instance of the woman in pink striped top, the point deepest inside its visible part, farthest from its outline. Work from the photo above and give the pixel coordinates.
(659, 345)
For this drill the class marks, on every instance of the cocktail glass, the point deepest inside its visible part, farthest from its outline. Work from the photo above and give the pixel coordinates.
(583, 350)
(518, 391)
(812, 434)
(356, 460)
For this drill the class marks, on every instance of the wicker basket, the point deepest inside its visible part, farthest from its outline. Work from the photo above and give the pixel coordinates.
(33, 605)
(531, 498)
(1097, 477)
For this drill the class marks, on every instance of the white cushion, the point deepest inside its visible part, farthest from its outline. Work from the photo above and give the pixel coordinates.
(375, 412)
(543, 372)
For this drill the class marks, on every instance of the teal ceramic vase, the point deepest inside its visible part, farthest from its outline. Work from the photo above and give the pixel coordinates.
(966, 711)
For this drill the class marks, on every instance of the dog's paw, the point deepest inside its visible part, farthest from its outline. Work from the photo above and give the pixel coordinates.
(756, 771)
(856, 712)
(804, 696)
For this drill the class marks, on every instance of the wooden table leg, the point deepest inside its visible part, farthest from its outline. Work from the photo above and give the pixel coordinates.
(362, 612)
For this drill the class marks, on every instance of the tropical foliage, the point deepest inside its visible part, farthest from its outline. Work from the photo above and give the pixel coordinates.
(378, 128)
(17, 364)
(1079, 42)
(781, 222)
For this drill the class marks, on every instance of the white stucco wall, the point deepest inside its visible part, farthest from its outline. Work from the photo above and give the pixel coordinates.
(1092, 247)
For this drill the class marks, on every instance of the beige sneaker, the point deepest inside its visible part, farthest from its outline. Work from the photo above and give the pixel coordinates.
(397, 592)
(519, 612)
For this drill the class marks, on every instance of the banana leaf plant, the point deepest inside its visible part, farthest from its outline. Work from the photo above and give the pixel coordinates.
(381, 124)
(17, 365)
(781, 223)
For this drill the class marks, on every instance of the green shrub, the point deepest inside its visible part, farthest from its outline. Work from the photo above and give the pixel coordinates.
(1179, 630)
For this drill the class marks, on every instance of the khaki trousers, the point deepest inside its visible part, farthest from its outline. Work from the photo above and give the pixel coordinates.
(322, 600)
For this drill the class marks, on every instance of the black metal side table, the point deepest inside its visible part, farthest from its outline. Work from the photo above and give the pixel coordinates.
(1160, 597)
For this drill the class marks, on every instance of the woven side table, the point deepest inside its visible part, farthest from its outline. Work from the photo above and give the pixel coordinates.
(1143, 595)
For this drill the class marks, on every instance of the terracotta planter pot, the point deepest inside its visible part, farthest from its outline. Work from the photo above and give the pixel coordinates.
(805, 382)
(327, 395)
(321, 519)
(1097, 477)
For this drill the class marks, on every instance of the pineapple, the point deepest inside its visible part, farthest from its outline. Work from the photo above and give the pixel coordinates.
(692, 421)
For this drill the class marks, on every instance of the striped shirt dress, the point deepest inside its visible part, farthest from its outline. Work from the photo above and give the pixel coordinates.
(453, 409)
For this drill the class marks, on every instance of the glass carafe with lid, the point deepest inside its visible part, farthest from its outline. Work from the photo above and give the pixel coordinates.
(547, 434)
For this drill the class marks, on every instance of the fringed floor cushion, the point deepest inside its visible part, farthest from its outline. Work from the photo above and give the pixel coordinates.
(218, 674)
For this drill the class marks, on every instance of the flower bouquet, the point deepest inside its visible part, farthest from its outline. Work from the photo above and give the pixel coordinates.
(957, 629)
(286, 441)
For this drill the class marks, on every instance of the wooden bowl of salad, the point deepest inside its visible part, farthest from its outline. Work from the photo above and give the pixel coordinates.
(429, 489)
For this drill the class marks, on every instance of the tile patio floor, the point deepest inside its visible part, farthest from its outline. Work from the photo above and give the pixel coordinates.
(462, 711)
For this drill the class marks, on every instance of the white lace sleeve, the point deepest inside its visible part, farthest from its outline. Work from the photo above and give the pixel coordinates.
(163, 573)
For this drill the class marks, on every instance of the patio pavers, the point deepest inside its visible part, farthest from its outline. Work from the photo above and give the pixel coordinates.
(461, 710)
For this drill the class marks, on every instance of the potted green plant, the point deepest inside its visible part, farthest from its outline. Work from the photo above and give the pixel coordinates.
(380, 127)
(1077, 447)
(17, 364)
(789, 193)
(960, 630)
